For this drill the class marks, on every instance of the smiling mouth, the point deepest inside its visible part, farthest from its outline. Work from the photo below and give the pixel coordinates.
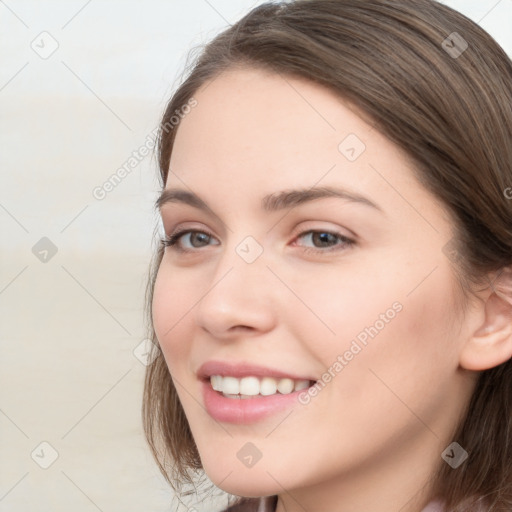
(253, 387)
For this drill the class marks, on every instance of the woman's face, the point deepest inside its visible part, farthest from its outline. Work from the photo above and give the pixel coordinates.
(355, 291)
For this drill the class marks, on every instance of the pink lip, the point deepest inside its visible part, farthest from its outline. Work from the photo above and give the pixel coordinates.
(240, 370)
(244, 411)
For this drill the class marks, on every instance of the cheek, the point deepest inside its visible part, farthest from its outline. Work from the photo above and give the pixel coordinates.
(381, 325)
(340, 308)
(171, 303)
(410, 361)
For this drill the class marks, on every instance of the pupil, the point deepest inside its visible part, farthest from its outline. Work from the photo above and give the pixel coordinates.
(198, 236)
(323, 237)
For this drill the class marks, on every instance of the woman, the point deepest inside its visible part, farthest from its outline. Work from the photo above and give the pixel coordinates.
(332, 300)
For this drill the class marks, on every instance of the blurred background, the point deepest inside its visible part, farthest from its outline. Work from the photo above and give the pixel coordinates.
(82, 87)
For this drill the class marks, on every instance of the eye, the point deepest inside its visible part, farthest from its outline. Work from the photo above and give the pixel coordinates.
(325, 241)
(197, 239)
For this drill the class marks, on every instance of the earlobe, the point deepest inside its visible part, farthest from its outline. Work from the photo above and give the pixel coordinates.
(491, 343)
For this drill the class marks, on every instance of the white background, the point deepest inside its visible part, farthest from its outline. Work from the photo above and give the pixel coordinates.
(69, 326)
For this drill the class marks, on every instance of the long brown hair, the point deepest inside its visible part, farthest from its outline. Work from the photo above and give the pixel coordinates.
(437, 85)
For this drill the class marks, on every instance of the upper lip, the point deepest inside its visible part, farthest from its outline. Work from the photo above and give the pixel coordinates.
(242, 369)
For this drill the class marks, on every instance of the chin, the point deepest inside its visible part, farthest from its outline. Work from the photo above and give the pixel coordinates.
(240, 481)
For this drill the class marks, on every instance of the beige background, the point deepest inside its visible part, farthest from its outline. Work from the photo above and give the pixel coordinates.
(71, 326)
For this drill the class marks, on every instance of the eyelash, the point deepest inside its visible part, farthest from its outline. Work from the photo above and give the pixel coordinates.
(172, 241)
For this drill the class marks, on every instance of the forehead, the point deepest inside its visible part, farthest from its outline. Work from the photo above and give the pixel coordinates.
(256, 102)
(253, 132)
(268, 124)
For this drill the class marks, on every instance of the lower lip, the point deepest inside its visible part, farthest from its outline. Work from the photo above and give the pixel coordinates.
(248, 410)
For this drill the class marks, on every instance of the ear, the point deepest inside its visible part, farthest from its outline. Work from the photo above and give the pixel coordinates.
(491, 343)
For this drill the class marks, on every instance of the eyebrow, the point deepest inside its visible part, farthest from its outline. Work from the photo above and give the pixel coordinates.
(272, 202)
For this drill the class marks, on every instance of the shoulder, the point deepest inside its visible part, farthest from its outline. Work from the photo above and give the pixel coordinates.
(268, 504)
(265, 504)
(244, 505)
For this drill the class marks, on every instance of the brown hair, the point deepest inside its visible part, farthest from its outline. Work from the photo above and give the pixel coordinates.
(450, 109)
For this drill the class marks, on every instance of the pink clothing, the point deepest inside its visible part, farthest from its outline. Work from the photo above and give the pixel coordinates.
(268, 504)
(434, 506)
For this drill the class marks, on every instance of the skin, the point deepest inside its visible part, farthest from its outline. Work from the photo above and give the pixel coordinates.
(372, 437)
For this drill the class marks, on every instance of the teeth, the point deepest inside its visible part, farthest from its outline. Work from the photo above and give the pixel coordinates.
(230, 385)
(303, 384)
(285, 386)
(268, 386)
(247, 387)
(216, 381)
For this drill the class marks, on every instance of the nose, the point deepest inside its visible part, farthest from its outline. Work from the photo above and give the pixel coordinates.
(239, 300)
